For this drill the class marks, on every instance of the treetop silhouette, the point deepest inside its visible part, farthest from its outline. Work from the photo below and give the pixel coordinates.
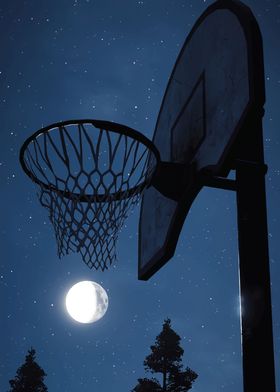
(30, 376)
(166, 358)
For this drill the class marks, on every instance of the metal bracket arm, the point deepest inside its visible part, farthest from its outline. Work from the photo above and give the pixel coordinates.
(217, 182)
(172, 179)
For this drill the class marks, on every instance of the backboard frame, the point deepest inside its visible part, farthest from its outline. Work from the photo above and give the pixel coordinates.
(253, 108)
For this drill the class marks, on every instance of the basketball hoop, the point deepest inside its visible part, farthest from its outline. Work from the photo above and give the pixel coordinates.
(90, 174)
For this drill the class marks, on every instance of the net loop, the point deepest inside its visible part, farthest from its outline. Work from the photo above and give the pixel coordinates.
(90, 175)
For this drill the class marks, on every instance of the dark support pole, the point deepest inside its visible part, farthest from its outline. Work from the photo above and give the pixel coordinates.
(256, 314)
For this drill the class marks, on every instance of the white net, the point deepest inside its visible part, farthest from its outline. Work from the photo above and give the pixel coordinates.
(89, 179)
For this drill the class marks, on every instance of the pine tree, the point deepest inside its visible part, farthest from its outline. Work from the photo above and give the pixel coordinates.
(147, 385)
(166, 353)
(166, 358)
(181, 381)
(29, 377)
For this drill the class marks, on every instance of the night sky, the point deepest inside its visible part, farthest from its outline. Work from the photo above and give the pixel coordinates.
(111, 60)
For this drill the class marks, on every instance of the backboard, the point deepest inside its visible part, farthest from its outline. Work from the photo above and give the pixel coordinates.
(217, 84)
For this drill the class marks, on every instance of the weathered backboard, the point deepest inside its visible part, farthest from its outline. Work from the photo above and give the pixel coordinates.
(216, 84)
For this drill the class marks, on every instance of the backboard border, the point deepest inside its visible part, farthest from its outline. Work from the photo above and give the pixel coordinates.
(254, 107)
(200, 81)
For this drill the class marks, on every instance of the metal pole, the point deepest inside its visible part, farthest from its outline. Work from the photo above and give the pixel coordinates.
(256, 314)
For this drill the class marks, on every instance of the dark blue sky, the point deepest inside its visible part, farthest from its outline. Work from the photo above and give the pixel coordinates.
(111, 60)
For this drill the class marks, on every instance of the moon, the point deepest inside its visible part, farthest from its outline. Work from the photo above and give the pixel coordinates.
(86, 302)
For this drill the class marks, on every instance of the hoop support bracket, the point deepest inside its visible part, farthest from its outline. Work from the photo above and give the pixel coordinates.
(172, 179)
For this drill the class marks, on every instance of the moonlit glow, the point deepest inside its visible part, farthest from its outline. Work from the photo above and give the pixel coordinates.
(86, 302)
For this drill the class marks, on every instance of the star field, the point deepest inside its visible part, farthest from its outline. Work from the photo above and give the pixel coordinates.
(112, 60)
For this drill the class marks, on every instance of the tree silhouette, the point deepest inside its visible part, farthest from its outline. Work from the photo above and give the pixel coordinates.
(181, 381)
(29, 377)
(166, 358)
(147, 385)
